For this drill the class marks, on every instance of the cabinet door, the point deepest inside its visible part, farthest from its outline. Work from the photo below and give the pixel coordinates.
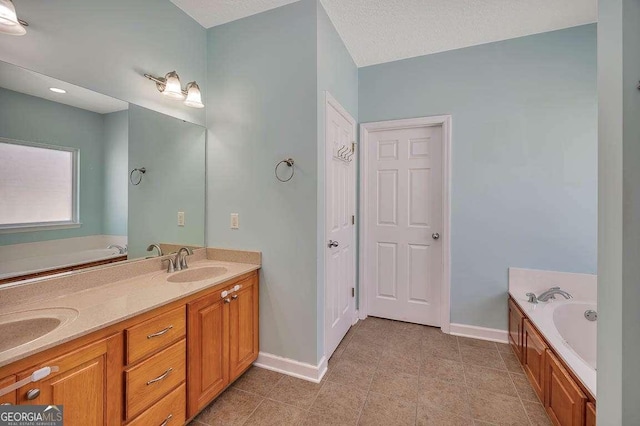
(516, 319)
(243, 322)
(564, 401)
(591, 415)
(10, 398)
(534, 352)
(80, 386)
(208, 350)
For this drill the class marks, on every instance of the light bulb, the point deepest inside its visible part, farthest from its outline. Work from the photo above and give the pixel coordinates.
(194, 97)
(172, 86)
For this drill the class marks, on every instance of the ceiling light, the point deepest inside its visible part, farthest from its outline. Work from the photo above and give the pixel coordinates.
(9, 22)
(55, 89)
(194, 97)
(170, 87)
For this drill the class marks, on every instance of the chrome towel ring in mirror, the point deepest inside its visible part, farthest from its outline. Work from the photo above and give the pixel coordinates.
(141, 171)
(288, 162)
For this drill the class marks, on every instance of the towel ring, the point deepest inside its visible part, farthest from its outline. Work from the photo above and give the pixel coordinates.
(288, 162)
(141, 172)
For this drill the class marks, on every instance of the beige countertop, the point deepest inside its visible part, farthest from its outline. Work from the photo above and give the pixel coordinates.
(101, 306)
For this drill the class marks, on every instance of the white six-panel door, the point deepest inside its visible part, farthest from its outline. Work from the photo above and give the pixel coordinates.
(405, 221)
(340, 198)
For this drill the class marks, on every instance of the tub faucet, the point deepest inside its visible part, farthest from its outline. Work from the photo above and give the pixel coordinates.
(155, 246)
(121, 250)
(181, 262)
(551, 294)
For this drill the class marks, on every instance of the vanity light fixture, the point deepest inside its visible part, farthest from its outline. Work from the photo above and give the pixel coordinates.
(56, 90)
(171, 87)
(9, 22)
(194, 97)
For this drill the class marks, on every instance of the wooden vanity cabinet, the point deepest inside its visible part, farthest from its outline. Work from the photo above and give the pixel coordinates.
(223, 340)
(159, 368)
(534, 351)
(10, 398)
(208, 351)
(81, 385)
(243, 324)
(564, 400)
(591, 415)
(516, 323)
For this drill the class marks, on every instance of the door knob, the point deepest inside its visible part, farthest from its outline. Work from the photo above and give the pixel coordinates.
(435, 236)
(332, 244)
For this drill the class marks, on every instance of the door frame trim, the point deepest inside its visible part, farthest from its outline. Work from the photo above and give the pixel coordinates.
(330, 101)
(365, 129)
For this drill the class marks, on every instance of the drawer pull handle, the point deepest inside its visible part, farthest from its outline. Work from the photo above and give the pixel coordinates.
(160, 333)
(160, 377)
(166, 421)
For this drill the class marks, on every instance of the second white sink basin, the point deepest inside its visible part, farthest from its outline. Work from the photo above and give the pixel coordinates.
(199, 274)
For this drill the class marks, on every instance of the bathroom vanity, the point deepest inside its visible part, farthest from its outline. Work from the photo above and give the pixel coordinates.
(168, 344)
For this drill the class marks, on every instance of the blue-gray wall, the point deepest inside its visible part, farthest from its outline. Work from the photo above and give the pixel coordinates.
(524, 155)
(34, 119)
(618, 212)
(262, 108)
(173, 152)
(106, 46)
(338, 75)
(115, 152)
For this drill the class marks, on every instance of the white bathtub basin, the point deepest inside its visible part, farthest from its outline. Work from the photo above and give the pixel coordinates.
(578, 333)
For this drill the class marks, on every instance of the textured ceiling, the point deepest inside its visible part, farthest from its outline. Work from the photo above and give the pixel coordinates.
(210, 13)
(377, 31)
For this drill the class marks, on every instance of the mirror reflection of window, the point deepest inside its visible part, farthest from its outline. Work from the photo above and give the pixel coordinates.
(38, 184)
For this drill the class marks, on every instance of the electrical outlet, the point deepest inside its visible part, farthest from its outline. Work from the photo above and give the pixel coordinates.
(235, 221)
(180, 218)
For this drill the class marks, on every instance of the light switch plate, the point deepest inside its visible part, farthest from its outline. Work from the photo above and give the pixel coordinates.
(180, 218)
(235, 221)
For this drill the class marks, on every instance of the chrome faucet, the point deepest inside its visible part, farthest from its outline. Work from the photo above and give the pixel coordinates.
(551, 294)
(121, 250)
(181, 262)
(155, 246)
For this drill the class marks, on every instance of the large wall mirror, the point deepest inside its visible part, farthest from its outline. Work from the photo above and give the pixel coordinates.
(70, 194)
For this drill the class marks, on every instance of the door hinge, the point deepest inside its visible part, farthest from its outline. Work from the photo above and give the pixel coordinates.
(353, 147)
(353, 292)
(353, 219)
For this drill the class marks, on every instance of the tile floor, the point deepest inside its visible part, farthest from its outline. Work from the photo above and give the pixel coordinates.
(389, 373)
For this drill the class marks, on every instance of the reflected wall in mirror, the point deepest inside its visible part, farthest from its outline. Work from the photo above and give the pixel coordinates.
(172, 151)
(63, 175)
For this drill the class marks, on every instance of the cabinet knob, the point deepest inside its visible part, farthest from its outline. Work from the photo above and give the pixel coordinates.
(33, 394)
(234, 297)
(227, 300)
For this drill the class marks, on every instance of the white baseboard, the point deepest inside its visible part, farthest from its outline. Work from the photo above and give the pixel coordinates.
(291, 367)
(482, 333)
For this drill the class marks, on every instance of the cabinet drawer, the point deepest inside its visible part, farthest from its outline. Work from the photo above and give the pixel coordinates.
(171, 409)
(150, 380)
(154, 334)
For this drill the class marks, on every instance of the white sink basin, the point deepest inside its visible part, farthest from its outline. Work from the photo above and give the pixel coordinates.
(20, 328)
(199, 274)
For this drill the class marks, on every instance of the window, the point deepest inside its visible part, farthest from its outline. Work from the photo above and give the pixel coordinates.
(38, 186)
